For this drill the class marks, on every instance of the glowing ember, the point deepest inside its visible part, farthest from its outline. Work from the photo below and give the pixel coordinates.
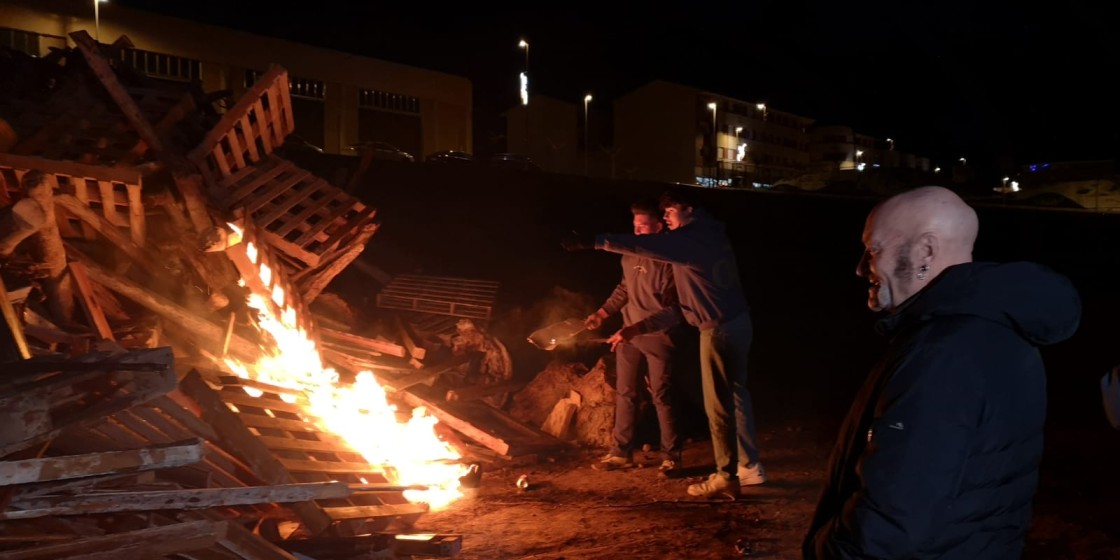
(407, 454)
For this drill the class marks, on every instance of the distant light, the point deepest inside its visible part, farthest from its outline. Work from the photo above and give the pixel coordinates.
(712, 106)
(760, 106)
(523, 44)
(875, 165)
(587, 98)
(738, 129)
(1006, 179)
(1046, 166)
(964, 161)
(1014, 186)
(859, 153)
(937, 170)
(524, 88)
(861, 166)
(1033, 167)
(741, 152)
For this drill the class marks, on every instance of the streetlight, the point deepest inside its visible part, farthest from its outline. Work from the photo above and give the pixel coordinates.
(761, 107)
(586, 147)
(964, 161)
(97, 20)
(859, 164)
(523, 44)
(715, 141)
(891, 142)
(937, 170)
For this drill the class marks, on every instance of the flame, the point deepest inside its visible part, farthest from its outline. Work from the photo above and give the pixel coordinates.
(406, 453)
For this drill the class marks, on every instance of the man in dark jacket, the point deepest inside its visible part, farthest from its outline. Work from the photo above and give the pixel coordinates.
(939, 454)
(646, 293)
(711, 299)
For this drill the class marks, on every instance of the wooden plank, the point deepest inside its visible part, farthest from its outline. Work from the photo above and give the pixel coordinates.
(75, 466)
(248, 142)
(490, 441)
(270, 423)
(313, 206)
(332, 445)
(126, 176)
(256, 201)
(360, 219)
(414, 350)
(136, 219)
(368, 344)
(259, 129)
(329, 467)
(89, 302)
(184, 499)
(385, 510)
(81, 211)
(15, 344)
(330, 266)
(108, 209)
(154, 542)
(240, 398)
(108, 78)
(294, 198)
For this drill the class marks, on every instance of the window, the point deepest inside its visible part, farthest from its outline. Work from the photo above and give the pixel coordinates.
(166, 66)
(374, 99)
(23, 41)
(297, 87)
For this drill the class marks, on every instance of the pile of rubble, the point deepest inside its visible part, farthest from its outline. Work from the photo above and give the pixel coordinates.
(136, 220)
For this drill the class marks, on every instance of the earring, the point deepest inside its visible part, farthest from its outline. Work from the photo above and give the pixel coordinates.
(922, 271)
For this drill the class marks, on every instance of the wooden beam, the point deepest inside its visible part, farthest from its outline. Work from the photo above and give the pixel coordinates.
(405, 332)
(13, 345)
(108, 78)
(201, 498)
(89, 302)
(249, 546)
(95, 464)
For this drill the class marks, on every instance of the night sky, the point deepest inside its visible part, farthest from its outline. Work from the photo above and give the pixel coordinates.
(1001, 84)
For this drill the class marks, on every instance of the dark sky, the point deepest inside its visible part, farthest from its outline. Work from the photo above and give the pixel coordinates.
(1000, 83)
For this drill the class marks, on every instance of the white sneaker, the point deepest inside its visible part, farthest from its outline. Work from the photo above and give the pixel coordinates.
(754, 474)
(717, 484)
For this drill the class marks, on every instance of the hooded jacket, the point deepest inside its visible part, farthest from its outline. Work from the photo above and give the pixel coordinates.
(938, 456)
(704, 268)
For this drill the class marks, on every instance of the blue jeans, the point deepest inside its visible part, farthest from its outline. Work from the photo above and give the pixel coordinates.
(656, 349)
(723, 369)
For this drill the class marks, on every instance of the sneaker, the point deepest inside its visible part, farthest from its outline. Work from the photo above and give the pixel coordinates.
(611, 462)
(716, 485)
(754, 474)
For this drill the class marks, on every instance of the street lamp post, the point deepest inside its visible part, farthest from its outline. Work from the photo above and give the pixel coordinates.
(715, 142)
(891, 142)
(523, 44)
(586, 146)
(97, 20)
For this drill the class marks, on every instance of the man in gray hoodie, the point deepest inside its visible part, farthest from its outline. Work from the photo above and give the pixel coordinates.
(645, 295)
(711, 299)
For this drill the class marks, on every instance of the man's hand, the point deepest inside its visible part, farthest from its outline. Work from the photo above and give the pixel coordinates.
(595, 320)
(578, 242)
(623, 335)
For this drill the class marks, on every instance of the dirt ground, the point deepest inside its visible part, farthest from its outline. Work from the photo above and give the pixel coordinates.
(571, 511)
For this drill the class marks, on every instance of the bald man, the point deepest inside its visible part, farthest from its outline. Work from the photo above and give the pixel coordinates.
(938, 456)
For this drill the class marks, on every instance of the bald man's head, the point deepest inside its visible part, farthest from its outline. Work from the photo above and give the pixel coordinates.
(910, 239)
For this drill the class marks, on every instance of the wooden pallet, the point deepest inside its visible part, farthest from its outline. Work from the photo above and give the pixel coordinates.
(113, 193)
(248, 132)
(272, 432)
(300, 214)
(458, 297)
(36, 407)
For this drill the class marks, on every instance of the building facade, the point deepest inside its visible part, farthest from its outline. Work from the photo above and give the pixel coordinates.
(674, 133)
(340, 100)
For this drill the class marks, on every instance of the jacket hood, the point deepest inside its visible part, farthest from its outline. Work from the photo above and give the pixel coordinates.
(1033, 300)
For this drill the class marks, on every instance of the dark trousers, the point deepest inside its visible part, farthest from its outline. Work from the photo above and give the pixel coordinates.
(657, 350)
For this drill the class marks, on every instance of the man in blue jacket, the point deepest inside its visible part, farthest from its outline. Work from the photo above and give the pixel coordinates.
(711, 299)
(938, 457)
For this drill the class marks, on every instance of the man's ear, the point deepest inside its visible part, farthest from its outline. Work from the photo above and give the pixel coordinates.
(928, 248)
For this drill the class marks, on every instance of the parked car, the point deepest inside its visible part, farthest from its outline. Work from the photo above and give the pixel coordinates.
(382, 151)
(450, 156)
(514, 161)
